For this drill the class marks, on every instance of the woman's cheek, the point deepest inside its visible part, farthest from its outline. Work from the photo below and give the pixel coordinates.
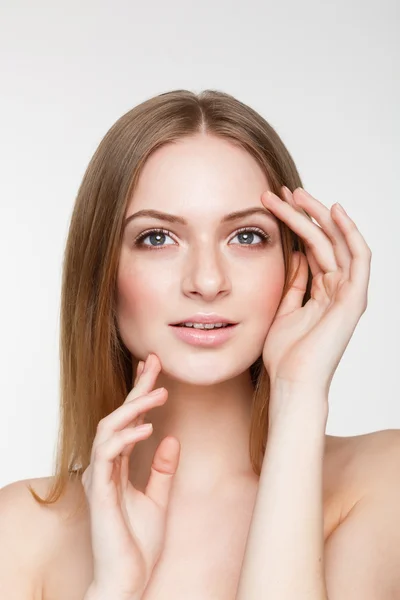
(268, 297)
(141, 300)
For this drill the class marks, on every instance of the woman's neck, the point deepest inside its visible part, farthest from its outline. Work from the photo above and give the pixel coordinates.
(212, 424)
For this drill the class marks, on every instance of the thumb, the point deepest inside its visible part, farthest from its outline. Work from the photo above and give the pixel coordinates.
(163, 468)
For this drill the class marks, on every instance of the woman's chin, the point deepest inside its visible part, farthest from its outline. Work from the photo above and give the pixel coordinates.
(202, 376)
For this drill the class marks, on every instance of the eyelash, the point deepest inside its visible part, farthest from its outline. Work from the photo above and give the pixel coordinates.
(266, 238)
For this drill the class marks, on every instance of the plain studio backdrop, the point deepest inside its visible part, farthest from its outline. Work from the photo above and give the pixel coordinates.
(324, 75)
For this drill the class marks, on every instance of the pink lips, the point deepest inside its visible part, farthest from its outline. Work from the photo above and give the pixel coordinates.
(204, 337)
(204, 318)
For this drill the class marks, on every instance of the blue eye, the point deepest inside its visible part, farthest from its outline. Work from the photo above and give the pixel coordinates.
(157, 234)
(246, 233)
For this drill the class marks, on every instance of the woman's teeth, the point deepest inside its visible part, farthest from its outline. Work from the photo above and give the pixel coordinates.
(204, 325)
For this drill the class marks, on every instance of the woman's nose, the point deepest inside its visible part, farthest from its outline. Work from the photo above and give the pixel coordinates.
(206, 274)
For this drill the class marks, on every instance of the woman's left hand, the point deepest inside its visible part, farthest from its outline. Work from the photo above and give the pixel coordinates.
(305, 343)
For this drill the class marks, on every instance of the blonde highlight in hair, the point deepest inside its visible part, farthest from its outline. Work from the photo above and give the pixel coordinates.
(95, 365)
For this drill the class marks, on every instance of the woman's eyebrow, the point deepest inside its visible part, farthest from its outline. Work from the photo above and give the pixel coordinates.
(233, 216)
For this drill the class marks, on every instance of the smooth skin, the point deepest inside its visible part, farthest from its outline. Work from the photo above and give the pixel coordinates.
(201, 267)
(296, 332)
(306, 343)
(286, 555)
(135, 525)
(128, 526)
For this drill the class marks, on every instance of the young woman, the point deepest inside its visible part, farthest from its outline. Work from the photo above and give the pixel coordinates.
(207, 300)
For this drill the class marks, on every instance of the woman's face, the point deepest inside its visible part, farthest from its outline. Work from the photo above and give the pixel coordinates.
(205, 265)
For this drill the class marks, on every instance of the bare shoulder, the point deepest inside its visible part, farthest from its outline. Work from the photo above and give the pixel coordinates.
(24, 541)
(354, 467)
(29, 535)
(363, 552)
(376, 458)
(365, 458)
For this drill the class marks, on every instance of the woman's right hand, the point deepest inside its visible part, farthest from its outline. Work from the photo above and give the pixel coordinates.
(128, 526)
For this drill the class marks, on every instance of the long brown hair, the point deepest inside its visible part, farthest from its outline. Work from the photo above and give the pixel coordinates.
(95, 365)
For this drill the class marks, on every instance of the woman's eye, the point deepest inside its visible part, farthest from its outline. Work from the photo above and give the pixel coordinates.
(156, 235)
(245, 235)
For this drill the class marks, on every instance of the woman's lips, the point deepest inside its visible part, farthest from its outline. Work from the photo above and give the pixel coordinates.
(204, 337)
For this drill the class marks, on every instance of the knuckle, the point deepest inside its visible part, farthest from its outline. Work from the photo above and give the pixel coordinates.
(99, 452)
(102, 425)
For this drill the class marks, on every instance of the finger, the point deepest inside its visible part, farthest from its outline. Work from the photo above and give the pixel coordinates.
(311, 233)
(145, 382)
(139, 371)
(125, 414)
(295, 294)
(106, 453)
(147, 379)
(135, 414)
(163, 469)
(323, 216)
(360, 252)
(140, 419)
(288, 197)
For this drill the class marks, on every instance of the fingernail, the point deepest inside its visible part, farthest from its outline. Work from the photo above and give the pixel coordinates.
(156, 392)
(143, 428)
(340, 207)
